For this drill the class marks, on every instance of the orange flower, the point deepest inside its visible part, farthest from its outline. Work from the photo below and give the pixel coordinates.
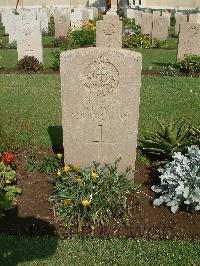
(67, 202)
(85, 203)
(75, 167)
(67, 168)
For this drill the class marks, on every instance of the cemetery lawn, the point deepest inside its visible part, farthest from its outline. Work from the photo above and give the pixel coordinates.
(30, 104)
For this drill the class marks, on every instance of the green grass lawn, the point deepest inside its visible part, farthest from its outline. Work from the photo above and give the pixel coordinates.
(30, 104)
(44, 251)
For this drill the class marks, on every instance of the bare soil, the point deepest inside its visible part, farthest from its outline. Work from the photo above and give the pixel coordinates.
(33, 214)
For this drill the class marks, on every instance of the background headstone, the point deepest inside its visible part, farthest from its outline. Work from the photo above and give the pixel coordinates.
(62, 24)
(100, 105)
(189, 40)
(109, 33)
(76, 20)
(180, 19)
(29, 39)
(147, 23)
(160, 28)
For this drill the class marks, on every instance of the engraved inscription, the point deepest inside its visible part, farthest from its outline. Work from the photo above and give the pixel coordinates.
(28, 29)
(110, 30)
(101, 77)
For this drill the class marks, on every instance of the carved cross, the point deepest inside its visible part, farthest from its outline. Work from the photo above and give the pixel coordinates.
(100, 134)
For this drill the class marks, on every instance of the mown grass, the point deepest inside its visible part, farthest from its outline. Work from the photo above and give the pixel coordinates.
(30, 104)
(51, 251)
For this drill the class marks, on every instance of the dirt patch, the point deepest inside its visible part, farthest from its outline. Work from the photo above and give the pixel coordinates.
(33, 214)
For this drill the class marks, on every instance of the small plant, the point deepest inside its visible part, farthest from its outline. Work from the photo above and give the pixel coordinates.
(195, 131)
(137, 41)
(50, 164)
(92, 194)
(158, 44)
(168, 70)
(180, 181)
(56, 60)
(172, 137)
(31, 162)
(61, 42)
(189, 65)
(29, 63)
(51, 27)
(12, 45)
(8, 189)
(82, 38)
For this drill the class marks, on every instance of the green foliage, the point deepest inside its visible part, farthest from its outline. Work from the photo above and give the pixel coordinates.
(93, 194)
(49, 164)
(128, 24)
(6, 143)
(168, 70)
(31, 162)
(12, 45)
(1, 43)
(195, 131)
(137, 41)
(189, 65)
(56, 60)
(61, 42)
(8, 190)
(159, 44)
(82, 38)
(29, 63)
(51, 27)
(180, 181)
(171, 137)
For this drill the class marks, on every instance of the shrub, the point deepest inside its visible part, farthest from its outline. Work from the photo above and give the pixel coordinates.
(93, 194)
(82, 38)
(49, 164)
(195, 131)
(56, 60)
(61, 42)
(168, 70)
(190, 64)
(158, 44)
(51, 27)
(180, 181)
(171, 137)
(137, 41)
(8, 189)
(12, 45)
(29, 63)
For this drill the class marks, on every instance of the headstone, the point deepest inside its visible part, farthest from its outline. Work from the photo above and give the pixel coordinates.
(100, 105)
(147, 23)
(109, 33)
(76, 20)
(93, 13)
(43, 17)
(167, 15)
(14, 27)
(138, 17)
(194, 18)
(130, 13)
(189, 40)
(29, 39)
(180, 19)
(62, 24)
(157, 13)
(160, 28)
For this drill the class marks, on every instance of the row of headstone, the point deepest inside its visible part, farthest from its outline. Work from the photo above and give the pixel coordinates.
(100, 99)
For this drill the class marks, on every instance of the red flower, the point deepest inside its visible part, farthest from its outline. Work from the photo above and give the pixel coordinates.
(7, 157)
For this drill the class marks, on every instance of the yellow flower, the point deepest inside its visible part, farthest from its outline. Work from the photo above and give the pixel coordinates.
(85, 203)
(67, 202)
(94, 175)
(75, 167)
(67, 168)
(59, 155)
(59, 173)
(78, 180)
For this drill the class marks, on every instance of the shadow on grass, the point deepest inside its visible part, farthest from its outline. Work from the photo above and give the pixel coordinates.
(56, 136)
(24, 239)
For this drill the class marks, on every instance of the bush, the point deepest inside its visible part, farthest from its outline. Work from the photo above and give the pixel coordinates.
(168, 70)
(12, 45)
(137, 41)
(56, 60)
(8, 190)
(93, 194)
(61, 42)
(190, 64)
(29, 63)
(170, 137)
(180, 181)
(82, 38)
